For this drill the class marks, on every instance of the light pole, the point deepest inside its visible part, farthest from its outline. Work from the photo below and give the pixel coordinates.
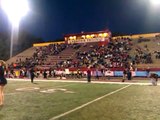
(15, 10)
(11, 42)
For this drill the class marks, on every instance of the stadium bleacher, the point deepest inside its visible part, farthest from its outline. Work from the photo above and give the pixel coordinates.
(119, 53)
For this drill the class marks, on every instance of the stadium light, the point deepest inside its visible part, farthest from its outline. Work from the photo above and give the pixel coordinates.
(15, 10)
(155, 2)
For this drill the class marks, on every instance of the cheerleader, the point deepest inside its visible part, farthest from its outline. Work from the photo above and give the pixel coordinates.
(3, 82)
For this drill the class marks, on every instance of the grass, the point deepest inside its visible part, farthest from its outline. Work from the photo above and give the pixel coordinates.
(133, 103)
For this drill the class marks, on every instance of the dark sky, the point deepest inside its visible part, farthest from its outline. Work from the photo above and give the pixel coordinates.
(51, 19)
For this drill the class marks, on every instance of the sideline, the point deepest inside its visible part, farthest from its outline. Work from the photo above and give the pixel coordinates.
(86, 104)
(79, 81)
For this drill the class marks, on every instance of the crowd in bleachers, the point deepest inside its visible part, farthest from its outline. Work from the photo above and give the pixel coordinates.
(40, 56)
(142, 56)
(115, 54)
(157, 54)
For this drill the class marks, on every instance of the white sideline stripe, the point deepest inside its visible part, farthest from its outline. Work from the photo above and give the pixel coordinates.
(74, 81)
(84, 105)
(51, 80)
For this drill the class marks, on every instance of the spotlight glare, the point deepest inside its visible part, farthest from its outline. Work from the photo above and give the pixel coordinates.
(155, 2)
(15, 9)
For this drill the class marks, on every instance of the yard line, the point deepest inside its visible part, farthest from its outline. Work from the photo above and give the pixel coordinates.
(86, 104)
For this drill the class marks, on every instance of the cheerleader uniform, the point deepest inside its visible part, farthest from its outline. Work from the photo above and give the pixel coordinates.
(3, 80)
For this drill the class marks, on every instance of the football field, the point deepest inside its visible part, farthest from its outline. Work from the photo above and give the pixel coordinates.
(48, 100)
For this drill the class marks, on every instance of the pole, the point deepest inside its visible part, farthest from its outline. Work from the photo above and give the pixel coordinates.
(11, 42)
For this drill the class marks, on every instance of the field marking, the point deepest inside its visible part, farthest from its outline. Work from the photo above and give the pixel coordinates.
(72, 81)
(86, 104)
(14, 93)
(84, 81)
(28, 89)
(65, 85)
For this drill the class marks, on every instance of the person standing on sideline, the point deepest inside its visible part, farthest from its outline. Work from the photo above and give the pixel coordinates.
(124, 75)
(103, 73)
(89, 75)
(3, 82)
(154, 79)
(45, 74)
(32, 74)
(148, 72)
(129, 74)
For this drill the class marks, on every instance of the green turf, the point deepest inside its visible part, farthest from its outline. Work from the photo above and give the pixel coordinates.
(132, 103)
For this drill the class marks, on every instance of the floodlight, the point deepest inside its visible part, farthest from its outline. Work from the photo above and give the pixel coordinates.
(15, 9)
(155, 2)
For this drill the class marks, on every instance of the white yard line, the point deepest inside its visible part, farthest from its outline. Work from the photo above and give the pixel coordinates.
(86, 104)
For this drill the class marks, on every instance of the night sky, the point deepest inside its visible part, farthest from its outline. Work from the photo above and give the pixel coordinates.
(51, 19)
